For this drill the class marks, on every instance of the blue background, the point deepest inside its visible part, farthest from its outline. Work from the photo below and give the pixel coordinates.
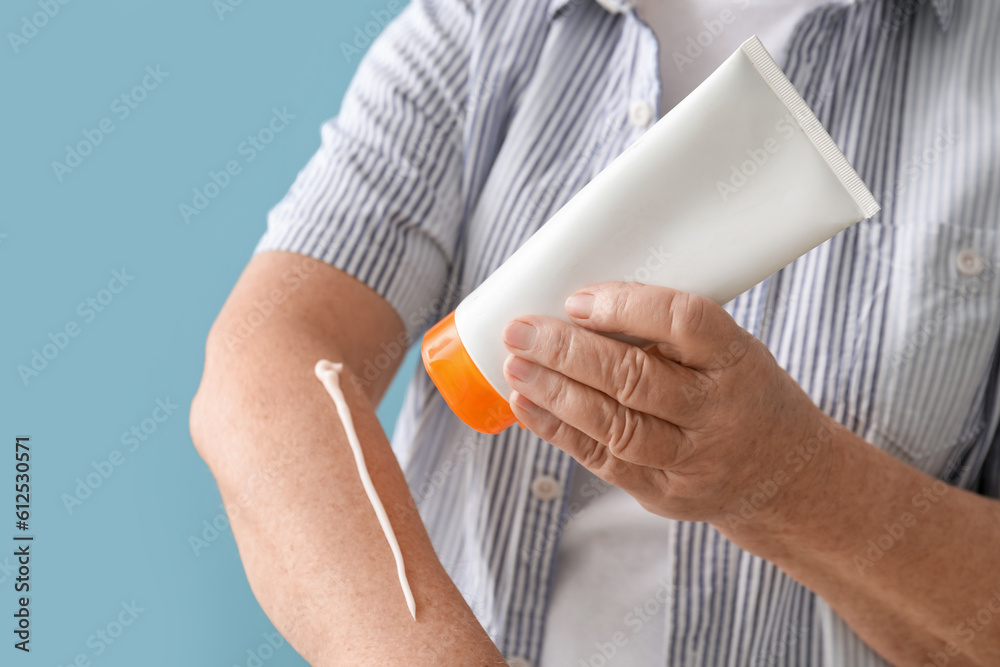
(119, 208)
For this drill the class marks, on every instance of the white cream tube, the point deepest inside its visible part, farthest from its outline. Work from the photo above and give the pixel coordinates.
(735, 182)
(329, 374)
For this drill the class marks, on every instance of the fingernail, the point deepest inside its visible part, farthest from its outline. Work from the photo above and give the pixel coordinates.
(519, 334)
(580, 306)
(521, 370)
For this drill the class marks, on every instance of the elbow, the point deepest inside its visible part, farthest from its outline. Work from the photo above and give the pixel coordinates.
(208, 405)
(198, 422)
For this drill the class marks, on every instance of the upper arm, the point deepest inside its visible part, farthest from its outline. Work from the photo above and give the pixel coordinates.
(282, 295)
(382, 199)
(374, 216)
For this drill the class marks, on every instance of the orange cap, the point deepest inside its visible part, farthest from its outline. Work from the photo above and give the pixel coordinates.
(468, 393)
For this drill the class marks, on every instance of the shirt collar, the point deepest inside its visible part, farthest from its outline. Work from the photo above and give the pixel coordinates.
(942, 8)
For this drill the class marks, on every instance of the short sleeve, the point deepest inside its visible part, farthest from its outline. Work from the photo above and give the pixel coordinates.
(382, 197)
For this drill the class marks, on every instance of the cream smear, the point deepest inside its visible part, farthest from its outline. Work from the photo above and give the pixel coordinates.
(329, 374)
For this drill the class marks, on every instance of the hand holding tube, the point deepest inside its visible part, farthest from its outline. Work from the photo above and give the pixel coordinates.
(692, 426)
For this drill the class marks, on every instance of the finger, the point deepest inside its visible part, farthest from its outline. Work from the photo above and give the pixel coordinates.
(690, 329)
(636, 378)
(630, 435)
(588, 452)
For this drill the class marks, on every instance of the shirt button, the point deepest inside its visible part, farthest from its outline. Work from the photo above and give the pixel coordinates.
(640, 113)
(518, 661)
(614, 6)
(546, 487)
(969, 262)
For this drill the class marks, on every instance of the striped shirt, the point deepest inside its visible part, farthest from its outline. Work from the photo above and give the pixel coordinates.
(470, 122)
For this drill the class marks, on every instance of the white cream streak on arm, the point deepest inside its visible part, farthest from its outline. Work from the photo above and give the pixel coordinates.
(329, 374)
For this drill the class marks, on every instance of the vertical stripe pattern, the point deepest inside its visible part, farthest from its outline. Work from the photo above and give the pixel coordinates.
(470, 122)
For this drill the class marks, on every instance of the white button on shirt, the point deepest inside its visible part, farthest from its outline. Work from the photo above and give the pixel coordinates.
(614, 6)
(640, 113)
(969, 262)
(546, 487)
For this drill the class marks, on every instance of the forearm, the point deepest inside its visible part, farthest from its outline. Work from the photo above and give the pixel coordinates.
(311, 545)
(907, 561)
